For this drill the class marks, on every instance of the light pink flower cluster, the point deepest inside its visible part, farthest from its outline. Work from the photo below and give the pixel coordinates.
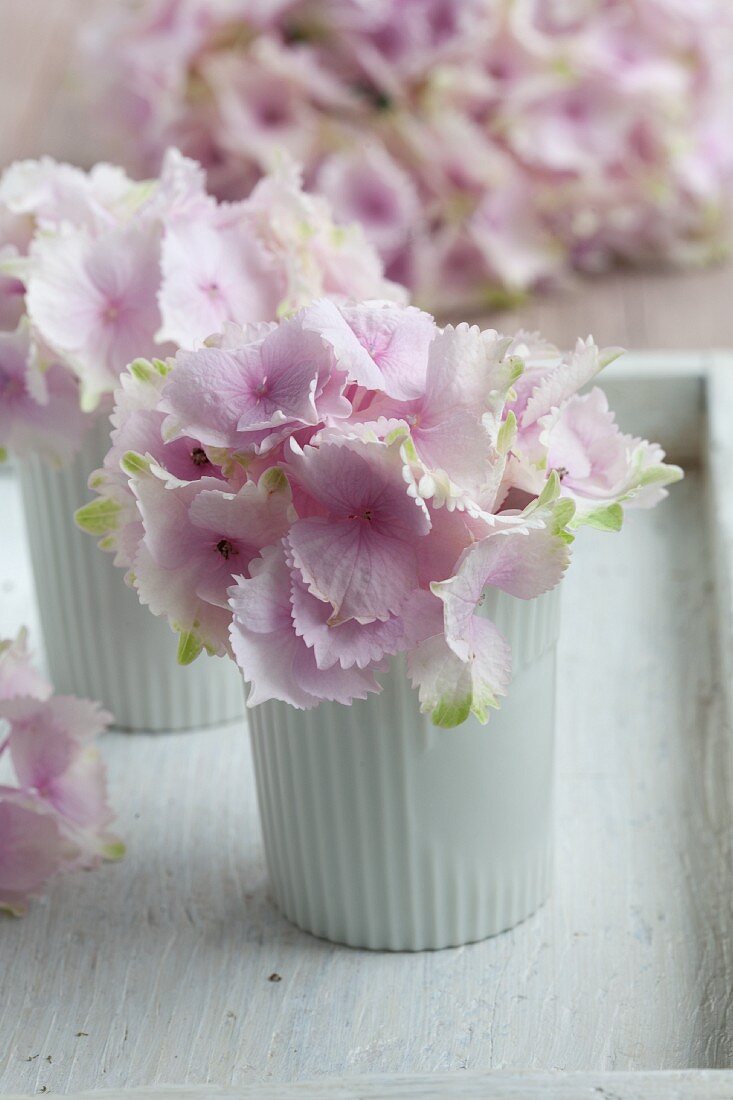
(55, 816)
(485, 147)
(318, 495)
(96, 268)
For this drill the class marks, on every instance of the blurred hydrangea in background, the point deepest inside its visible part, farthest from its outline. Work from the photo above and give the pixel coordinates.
(488, 146)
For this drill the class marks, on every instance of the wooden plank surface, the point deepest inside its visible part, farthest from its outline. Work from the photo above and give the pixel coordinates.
(635, 309)
(157, 970)
(686, 1085)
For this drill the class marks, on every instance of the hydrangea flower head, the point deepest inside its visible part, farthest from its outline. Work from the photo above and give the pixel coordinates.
(486, 148)
(317, 495)
(97, 270)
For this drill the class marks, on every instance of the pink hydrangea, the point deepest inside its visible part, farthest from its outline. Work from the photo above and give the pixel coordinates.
(56, 816)
(485, 147)
(319, 495)
(96, 269)
(18, 676)
(39, 399)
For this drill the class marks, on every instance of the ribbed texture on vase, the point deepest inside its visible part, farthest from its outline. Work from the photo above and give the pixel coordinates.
(382, 831)
(532, 626)
(100, 642)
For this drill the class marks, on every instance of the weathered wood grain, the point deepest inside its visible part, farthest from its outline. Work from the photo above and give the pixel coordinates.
(157, 970)
(686, 1085)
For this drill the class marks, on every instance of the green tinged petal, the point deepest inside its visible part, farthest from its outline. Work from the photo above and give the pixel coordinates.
(135, 464)
(274, 481)
(610, 518)
(99, 517)
(516, 368)
(507, 434)
(562, 514)
(609, 355)
(450, 713)
(550, 490)
(114, 850)
(660, 475)
(189, 647)
(142, 369)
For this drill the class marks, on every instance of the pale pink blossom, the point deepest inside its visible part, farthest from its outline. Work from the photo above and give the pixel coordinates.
(487, 148)
(451, 688)
(102, 270)
(50, 194)
(367, 186)
(39, 400)
(599, 466)
(277, 661)
(93, 299)
(33, 848)
(196, 537)
(56, 817)
(317, 255)
(213, 273)
(357, 553)
(17, 674)
(50, 745)
(390, 349)
(321, 495)
(252, 396)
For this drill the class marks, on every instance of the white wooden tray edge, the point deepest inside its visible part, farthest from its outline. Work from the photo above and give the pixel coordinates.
(675, 1085)
(719, 460)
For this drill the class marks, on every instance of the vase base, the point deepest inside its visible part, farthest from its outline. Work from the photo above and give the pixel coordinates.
(410, 946)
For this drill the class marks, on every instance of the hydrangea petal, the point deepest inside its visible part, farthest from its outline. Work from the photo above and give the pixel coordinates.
(17, 674)
(523, 561)
(449, 688)
(346, 643)
(276, 662)
(32, 849)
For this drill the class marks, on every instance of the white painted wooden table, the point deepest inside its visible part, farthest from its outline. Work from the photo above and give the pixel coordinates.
(159, 970)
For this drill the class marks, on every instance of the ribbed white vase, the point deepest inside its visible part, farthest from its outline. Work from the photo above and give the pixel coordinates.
(383, 831)
(100, 642)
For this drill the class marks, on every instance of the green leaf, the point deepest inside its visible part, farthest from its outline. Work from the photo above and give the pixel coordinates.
(99, 517)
